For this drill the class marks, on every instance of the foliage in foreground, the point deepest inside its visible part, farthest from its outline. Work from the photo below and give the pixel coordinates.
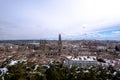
(59, 72)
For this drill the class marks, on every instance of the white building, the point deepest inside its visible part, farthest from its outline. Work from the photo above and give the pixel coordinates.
(81, 61)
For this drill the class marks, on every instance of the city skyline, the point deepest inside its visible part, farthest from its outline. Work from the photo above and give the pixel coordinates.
(78, 19)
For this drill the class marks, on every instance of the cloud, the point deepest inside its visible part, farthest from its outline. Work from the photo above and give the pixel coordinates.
(116, 32)
(78, 19)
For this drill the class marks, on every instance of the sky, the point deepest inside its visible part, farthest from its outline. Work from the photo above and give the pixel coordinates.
(73, 19)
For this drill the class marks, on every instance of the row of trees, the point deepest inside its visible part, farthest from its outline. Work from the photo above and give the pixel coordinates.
(59, 72)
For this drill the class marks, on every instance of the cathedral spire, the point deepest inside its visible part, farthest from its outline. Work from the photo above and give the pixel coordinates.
(59, 44)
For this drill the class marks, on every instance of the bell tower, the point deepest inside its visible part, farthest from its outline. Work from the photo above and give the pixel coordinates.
(59, 44)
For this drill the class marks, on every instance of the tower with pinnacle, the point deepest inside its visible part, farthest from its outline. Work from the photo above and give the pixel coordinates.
(59, 44)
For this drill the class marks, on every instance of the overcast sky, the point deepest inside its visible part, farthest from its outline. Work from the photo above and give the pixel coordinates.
(73, 19)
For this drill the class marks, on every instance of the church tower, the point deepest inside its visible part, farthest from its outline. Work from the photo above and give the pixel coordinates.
(59, 44)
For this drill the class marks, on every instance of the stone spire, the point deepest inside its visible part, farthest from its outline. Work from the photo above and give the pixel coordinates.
(59, 45)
